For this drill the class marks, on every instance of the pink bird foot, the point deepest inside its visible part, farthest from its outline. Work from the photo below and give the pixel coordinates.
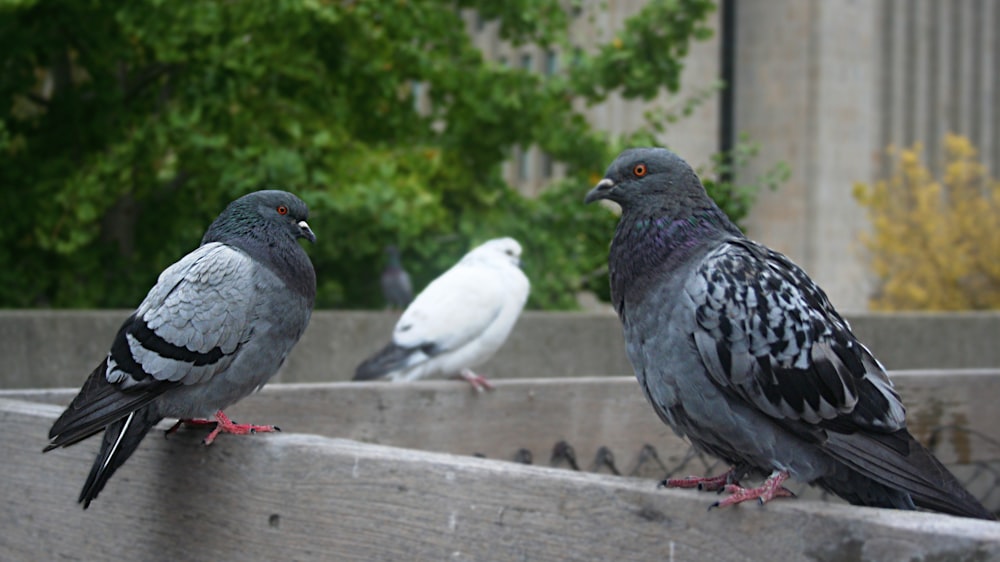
(478, 382)
(770, 489)
(223, 425)
(188, 422)
(703, 483)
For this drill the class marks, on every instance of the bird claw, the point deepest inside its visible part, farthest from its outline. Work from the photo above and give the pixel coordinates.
(225, 425)
(770, 489)
(478, 382)
(702, 483)
(187, 422)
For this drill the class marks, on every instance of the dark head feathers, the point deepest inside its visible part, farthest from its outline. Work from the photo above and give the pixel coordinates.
(263, 215)
(667, 216)
(650, 177)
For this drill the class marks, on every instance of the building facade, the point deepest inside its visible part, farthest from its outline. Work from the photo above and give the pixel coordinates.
(824, 86)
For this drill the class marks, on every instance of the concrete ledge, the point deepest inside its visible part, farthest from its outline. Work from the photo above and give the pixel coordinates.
(305, 497)
(59, 348)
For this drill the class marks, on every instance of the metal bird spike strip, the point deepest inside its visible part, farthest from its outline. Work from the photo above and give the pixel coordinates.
(983, 478)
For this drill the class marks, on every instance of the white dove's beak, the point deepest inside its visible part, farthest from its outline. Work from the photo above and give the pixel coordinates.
(306, 232)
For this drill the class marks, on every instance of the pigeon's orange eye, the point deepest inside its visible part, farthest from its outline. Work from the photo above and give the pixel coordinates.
(282, 210)
(639, 170)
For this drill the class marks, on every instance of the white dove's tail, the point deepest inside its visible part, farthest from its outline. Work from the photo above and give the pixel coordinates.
(121, 438)
(390, 358)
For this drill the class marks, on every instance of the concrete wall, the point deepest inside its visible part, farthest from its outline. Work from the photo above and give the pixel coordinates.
(806, 77)
(59, 348)
(823, 86)
(827, 85)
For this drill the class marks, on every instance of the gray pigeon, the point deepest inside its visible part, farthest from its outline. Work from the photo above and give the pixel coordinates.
(215, 327)
(397, 289)
(458, 321)
(739, 351)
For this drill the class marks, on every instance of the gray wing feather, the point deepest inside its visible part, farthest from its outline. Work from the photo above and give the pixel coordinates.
(199, 312)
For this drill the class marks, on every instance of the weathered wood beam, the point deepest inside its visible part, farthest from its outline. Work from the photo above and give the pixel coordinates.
(304, 497)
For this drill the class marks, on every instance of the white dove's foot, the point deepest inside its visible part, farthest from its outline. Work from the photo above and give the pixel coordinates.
(478, 382)
(703, 483)
(770, 489)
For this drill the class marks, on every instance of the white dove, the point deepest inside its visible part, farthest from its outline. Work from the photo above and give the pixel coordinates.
(459, 321)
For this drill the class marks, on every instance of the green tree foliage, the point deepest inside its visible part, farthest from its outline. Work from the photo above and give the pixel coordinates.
(125, 127)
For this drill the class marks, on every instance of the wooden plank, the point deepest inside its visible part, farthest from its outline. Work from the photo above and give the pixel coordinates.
(306, 497)
(954, 413)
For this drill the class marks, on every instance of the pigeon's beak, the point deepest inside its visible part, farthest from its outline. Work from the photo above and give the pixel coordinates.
(306, 232)
(600, 190)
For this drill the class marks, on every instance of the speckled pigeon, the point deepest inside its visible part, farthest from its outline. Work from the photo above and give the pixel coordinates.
(215, 327)
(738, 350)
(397, 289)
(459, 321)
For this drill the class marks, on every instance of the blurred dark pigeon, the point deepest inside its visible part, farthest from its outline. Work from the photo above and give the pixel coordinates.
(459, 321)
(397, 290)
(738, 350)
(215, 327)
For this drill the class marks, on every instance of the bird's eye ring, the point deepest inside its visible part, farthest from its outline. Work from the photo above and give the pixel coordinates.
(282, 210)
(640, 170)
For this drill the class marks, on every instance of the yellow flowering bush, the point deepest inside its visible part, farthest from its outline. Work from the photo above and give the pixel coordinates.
(934, 242)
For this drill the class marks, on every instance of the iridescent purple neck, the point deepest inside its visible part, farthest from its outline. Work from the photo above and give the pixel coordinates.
(644, 244)
(674, 238)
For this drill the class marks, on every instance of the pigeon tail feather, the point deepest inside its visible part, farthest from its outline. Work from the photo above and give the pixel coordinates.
(120, 440)
(898, 461)
(98, 404)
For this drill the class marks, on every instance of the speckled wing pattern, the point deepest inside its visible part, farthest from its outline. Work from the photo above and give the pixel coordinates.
(766, 332)
(768, 335)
